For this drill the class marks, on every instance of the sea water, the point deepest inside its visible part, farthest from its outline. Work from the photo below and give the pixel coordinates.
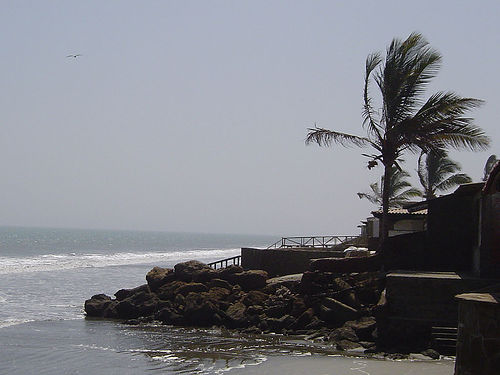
(47, 274)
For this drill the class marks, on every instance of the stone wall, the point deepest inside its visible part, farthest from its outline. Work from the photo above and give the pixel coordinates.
(478, 346)
(417, 301)
(278, 262)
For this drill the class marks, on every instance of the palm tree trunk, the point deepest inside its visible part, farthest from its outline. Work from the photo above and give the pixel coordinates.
(384, 225)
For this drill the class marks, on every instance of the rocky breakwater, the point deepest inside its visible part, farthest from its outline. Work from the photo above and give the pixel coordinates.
(326, 307)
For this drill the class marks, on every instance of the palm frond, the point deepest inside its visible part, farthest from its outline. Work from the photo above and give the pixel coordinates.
(325, 137)
(452, 181)
(372, 61)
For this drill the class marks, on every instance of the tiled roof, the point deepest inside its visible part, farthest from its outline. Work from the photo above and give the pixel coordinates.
(402, 211)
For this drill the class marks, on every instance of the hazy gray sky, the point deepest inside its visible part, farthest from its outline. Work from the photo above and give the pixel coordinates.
(191, 115)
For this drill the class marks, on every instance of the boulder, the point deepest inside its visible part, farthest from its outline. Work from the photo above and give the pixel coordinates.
(346, 265)
(254, 297)
(204, 275)
(236, 313)
(168, 291)
(137, 305)
(304, 319)
(191, 287)
(226, 273)
(250, 280)
(347, 345)
(169, 316)
(220, 284)
(289, 281)
(126, 293)
(363, 327)
(335, 311)
(278, 324)
(216, 294)
(159, 276)
(343, 333)
(97, 304)
(199, 311)
(186, 270)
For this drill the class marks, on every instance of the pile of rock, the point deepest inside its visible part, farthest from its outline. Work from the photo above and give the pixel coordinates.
(325, 306)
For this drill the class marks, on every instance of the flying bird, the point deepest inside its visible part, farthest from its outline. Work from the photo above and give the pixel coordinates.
(75, 56)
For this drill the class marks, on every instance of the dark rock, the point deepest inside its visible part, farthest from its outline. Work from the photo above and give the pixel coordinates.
(343, 333)
(298, 306)
(255, 310)
(185, 271)
(289, 281)
(249, 280)
(139, 304)
(347, 345)
(126, 293)
(431, 353)
(304, 319)
(278, 324)
(315, 324)
(169, 316)
(363, 327)
(179, 300)
(204, 275)
(236, 313)
(278, 310)
(220, 284)
(254, 297)
(335, 311)
(97, 304)
(346, 265)
(200, 312)
(225, 273)
(217, 294)
(252, 331)
(168, 291)
(159, 276)
(191, 287)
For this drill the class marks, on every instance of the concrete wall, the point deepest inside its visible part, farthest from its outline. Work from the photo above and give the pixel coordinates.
(453, 231)
(278, 262)
(417, 301)
(478, 346)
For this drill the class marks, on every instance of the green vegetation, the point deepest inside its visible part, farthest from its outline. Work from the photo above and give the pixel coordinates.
(489, 166)
(438, 173)
(404, 121)
(400, 189)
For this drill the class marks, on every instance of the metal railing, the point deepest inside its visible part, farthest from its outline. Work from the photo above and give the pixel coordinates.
(236, 260)
(311, 241)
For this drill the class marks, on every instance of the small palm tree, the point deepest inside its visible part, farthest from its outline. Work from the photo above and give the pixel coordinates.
(400, 190)
(438, 173)
(489, 166)
(405, 121)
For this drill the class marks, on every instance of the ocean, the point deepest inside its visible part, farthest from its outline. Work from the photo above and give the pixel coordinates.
(47, 274)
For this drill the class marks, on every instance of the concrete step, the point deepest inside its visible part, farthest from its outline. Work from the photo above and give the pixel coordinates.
(444, 340)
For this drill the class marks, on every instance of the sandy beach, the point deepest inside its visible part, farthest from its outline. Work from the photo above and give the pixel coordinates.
(336, 365)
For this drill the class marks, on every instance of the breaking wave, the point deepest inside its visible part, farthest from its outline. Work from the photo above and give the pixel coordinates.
(52, 262)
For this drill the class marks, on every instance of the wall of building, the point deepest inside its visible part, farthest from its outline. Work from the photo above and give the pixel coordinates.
(478, 346)
(279, 262)
(453, 231)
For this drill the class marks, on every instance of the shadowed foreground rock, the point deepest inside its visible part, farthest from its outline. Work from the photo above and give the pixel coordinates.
(326, 306)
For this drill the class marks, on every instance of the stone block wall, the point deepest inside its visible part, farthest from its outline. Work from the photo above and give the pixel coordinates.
(478, 346)
(278, 262)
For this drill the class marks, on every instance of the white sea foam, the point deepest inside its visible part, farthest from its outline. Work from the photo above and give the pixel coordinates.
(52, 262)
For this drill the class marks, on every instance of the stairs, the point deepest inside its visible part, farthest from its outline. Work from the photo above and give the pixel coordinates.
(444, 340)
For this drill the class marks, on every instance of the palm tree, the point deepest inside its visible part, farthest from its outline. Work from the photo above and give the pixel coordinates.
(400, 190)
(489, 166)
(438, 173)
(405, 122)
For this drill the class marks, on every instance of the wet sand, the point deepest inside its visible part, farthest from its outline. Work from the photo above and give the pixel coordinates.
(335, 365)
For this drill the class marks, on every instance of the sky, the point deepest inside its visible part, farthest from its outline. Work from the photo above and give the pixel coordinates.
(192, 115)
